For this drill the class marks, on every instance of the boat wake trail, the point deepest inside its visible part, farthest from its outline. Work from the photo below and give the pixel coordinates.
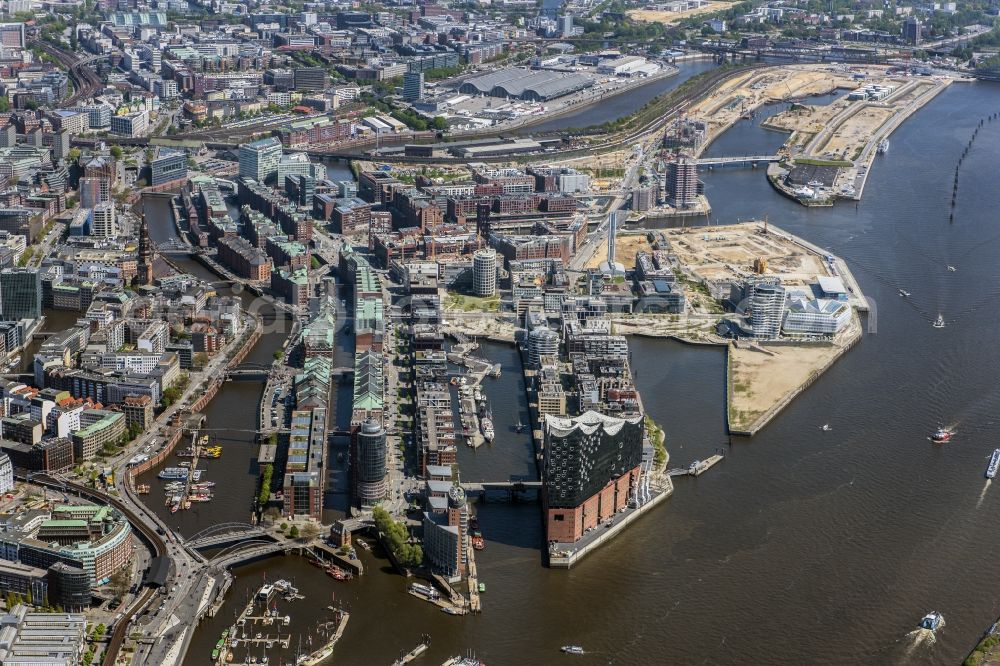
(982, 495)
(918, 639)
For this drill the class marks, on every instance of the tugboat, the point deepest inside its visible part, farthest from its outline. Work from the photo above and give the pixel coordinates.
(572, 649)
(939, 322)
(932, 621)
(941, 435)
(991, 471)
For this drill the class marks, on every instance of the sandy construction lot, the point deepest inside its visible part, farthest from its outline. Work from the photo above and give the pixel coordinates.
(657, 16)
(626, 247)
(847, 141)
(762, 380)
(726, 253)
(728, 102)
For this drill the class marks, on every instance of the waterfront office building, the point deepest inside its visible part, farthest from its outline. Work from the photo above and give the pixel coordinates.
(590, 467)
(767, 309)
(682, 182)
(446, 535)
(542, 341)
(816, 317)
(484, 272)
(369, 463)
(169, 166)
(20, 294)
(259, 160)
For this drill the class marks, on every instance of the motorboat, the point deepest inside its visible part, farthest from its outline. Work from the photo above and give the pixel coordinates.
(572, 649)
(952, 269)
(932, 621)
(941, 435)
(939, 322)
(825, 427)
(904, 293)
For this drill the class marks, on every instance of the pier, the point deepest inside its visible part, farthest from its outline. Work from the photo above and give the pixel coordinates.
(414, 653)
(698, 467)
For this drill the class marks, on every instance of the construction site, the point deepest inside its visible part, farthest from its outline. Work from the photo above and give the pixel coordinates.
(741, 96)
(673, 12)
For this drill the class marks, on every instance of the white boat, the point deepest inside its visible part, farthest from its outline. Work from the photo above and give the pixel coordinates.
(904, 293)
(572, 649)
(825, 427)
(939, 322)
(487, 427)
(805, 192)
(816, 183)
(991, 471)
(932, 621)
(952, 268)
(883, 146)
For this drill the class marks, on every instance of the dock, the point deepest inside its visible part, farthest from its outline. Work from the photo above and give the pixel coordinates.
(414, 653)
(475, 602)
(327, 649)
(698, 467)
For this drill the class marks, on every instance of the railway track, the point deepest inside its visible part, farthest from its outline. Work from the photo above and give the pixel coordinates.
(85, 79)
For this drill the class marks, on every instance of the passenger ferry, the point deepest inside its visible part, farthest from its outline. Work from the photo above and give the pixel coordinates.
(424, 591)
(883, 146)
(991, 471)
(173, 473)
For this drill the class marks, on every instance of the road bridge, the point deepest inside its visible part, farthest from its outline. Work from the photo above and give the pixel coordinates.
(224, 534)
(248, 551)
(736, 160)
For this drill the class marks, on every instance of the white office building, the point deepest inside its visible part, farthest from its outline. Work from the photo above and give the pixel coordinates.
(484, 272)
(103, 220)
(259, 160)
(767, 309)
(816, 317)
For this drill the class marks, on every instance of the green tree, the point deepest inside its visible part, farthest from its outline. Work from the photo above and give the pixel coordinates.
(294, 532)
(116, 152)
(440, 123)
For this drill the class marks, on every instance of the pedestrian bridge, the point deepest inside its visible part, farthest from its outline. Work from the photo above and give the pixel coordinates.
(500, 485)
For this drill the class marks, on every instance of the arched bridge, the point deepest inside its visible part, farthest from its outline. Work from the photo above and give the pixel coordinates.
(247, 551)
(225, 535)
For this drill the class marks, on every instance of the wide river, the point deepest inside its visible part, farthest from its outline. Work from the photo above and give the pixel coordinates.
(803, 546)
